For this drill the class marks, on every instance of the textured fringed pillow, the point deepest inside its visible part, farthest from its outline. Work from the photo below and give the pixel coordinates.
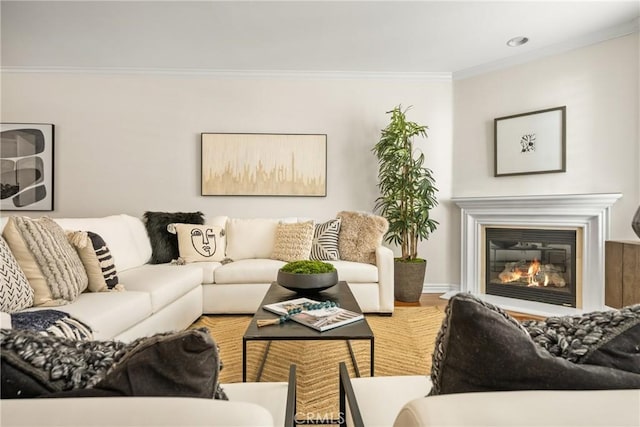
(164, 245)
(481, 348)
(325, 241)
(182, 364)
(293, 241)
(15, 292)
(360, 234)
(97, 260)
(604, 338)
(52, 266)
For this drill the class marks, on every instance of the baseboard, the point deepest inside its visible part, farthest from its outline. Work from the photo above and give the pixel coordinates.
(438, 288)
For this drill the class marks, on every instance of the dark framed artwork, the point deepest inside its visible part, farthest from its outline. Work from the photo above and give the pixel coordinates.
(259, 164)
(531, 143)
(26, 167)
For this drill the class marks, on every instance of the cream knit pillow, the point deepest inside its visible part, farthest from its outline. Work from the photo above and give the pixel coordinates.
(51, 264)
(293, 241)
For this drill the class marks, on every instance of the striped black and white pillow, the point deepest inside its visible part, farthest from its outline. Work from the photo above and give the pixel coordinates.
(97, 260)
(325, 241)
(15, 291)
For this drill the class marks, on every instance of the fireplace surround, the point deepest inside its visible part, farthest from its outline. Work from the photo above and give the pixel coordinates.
(588, 215)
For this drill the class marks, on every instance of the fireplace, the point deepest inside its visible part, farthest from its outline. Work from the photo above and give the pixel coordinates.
(531, 264)
(588, 215)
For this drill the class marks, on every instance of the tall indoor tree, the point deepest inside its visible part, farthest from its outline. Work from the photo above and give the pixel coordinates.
(407, 195)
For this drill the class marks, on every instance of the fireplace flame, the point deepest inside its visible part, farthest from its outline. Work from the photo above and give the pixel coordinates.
(533, 274)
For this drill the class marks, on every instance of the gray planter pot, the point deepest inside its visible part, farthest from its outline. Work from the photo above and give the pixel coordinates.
(307, 282)
(408, 280)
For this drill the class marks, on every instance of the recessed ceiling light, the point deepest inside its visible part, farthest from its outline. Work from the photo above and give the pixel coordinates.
(517, 41)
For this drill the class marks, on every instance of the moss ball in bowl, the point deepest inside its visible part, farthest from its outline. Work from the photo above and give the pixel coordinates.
(307, 276)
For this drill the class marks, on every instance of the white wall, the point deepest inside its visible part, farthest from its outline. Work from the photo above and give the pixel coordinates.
(128, 143)
(599, 86)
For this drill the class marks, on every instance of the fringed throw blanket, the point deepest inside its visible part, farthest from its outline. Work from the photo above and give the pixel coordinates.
(52, 322)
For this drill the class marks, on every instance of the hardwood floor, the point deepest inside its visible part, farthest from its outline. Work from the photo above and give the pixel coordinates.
(426, 300)
(434, 300)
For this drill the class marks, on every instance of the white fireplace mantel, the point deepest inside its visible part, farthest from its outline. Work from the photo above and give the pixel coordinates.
(589, 212)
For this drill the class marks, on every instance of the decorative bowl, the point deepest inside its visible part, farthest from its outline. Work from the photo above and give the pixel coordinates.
(307, 282)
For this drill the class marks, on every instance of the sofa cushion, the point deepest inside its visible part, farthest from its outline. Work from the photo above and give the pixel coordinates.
(97, 260)
(197, 243)
(355, 272)
(249, 271)
(164, 245)
(293, 241)
(15, 292)
(109, 313)
(325, 241)
(164, 283)
(125, 235)
(360, 234)
(481, 348)
(250, 238)
(52, 266)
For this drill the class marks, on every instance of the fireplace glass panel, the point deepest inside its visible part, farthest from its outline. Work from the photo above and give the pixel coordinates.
(531, 264)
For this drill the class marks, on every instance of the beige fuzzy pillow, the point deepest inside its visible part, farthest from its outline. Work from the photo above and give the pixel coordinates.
(360, 234)
(293, 241)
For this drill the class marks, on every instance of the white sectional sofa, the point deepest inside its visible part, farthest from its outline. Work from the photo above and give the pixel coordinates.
(162, 297)
(401, 401)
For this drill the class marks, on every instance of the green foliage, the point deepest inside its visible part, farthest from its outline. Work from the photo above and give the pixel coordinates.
(308, 267)
(407, 188)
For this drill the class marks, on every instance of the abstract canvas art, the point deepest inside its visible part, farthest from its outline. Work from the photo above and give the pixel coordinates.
(243, 164)
(530, 143)
(26, 167)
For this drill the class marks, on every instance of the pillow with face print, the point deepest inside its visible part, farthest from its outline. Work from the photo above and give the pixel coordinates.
(199, 242)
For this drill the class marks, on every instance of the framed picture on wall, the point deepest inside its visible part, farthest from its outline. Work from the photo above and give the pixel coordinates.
(530, 143)
(26, 167)
(258, 164)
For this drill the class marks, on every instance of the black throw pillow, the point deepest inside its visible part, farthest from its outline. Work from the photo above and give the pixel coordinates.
(481, 348)
(182, 363)
(164, 245)
(177, 364)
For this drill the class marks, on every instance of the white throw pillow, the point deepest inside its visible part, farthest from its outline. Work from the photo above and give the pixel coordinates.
(199, 242)
(250, 238)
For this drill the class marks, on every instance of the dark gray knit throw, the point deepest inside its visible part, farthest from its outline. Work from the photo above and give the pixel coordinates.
(575, 337)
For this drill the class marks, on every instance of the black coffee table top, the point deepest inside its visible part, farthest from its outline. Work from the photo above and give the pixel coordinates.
(291, 330)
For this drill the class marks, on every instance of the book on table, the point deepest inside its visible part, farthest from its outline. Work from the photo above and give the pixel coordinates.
(321, 319)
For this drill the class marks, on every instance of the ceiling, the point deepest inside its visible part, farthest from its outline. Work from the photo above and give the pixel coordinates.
(454, 37)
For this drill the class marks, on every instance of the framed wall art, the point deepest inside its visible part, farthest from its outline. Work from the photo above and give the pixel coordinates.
(26, 167)
(530, 143)
(256, 164)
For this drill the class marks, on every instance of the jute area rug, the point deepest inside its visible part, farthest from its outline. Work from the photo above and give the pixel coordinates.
(404, 344)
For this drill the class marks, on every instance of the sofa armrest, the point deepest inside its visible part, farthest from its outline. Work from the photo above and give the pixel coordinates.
(385, 263)
(348, 397)
(525, 408)
(131, 411)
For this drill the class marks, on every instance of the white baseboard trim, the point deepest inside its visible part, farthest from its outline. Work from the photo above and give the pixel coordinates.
(438, 288)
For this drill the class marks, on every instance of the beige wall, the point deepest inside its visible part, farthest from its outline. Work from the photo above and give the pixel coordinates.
(131, 142)
(599, 86)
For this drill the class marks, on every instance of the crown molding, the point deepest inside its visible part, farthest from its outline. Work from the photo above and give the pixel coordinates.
(587, 40)
(240, 74)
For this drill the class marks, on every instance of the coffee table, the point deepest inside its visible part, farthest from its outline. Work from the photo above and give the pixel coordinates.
(293, 331)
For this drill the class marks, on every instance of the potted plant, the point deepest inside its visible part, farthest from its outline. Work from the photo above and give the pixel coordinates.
(407, 195)
(307, 276)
